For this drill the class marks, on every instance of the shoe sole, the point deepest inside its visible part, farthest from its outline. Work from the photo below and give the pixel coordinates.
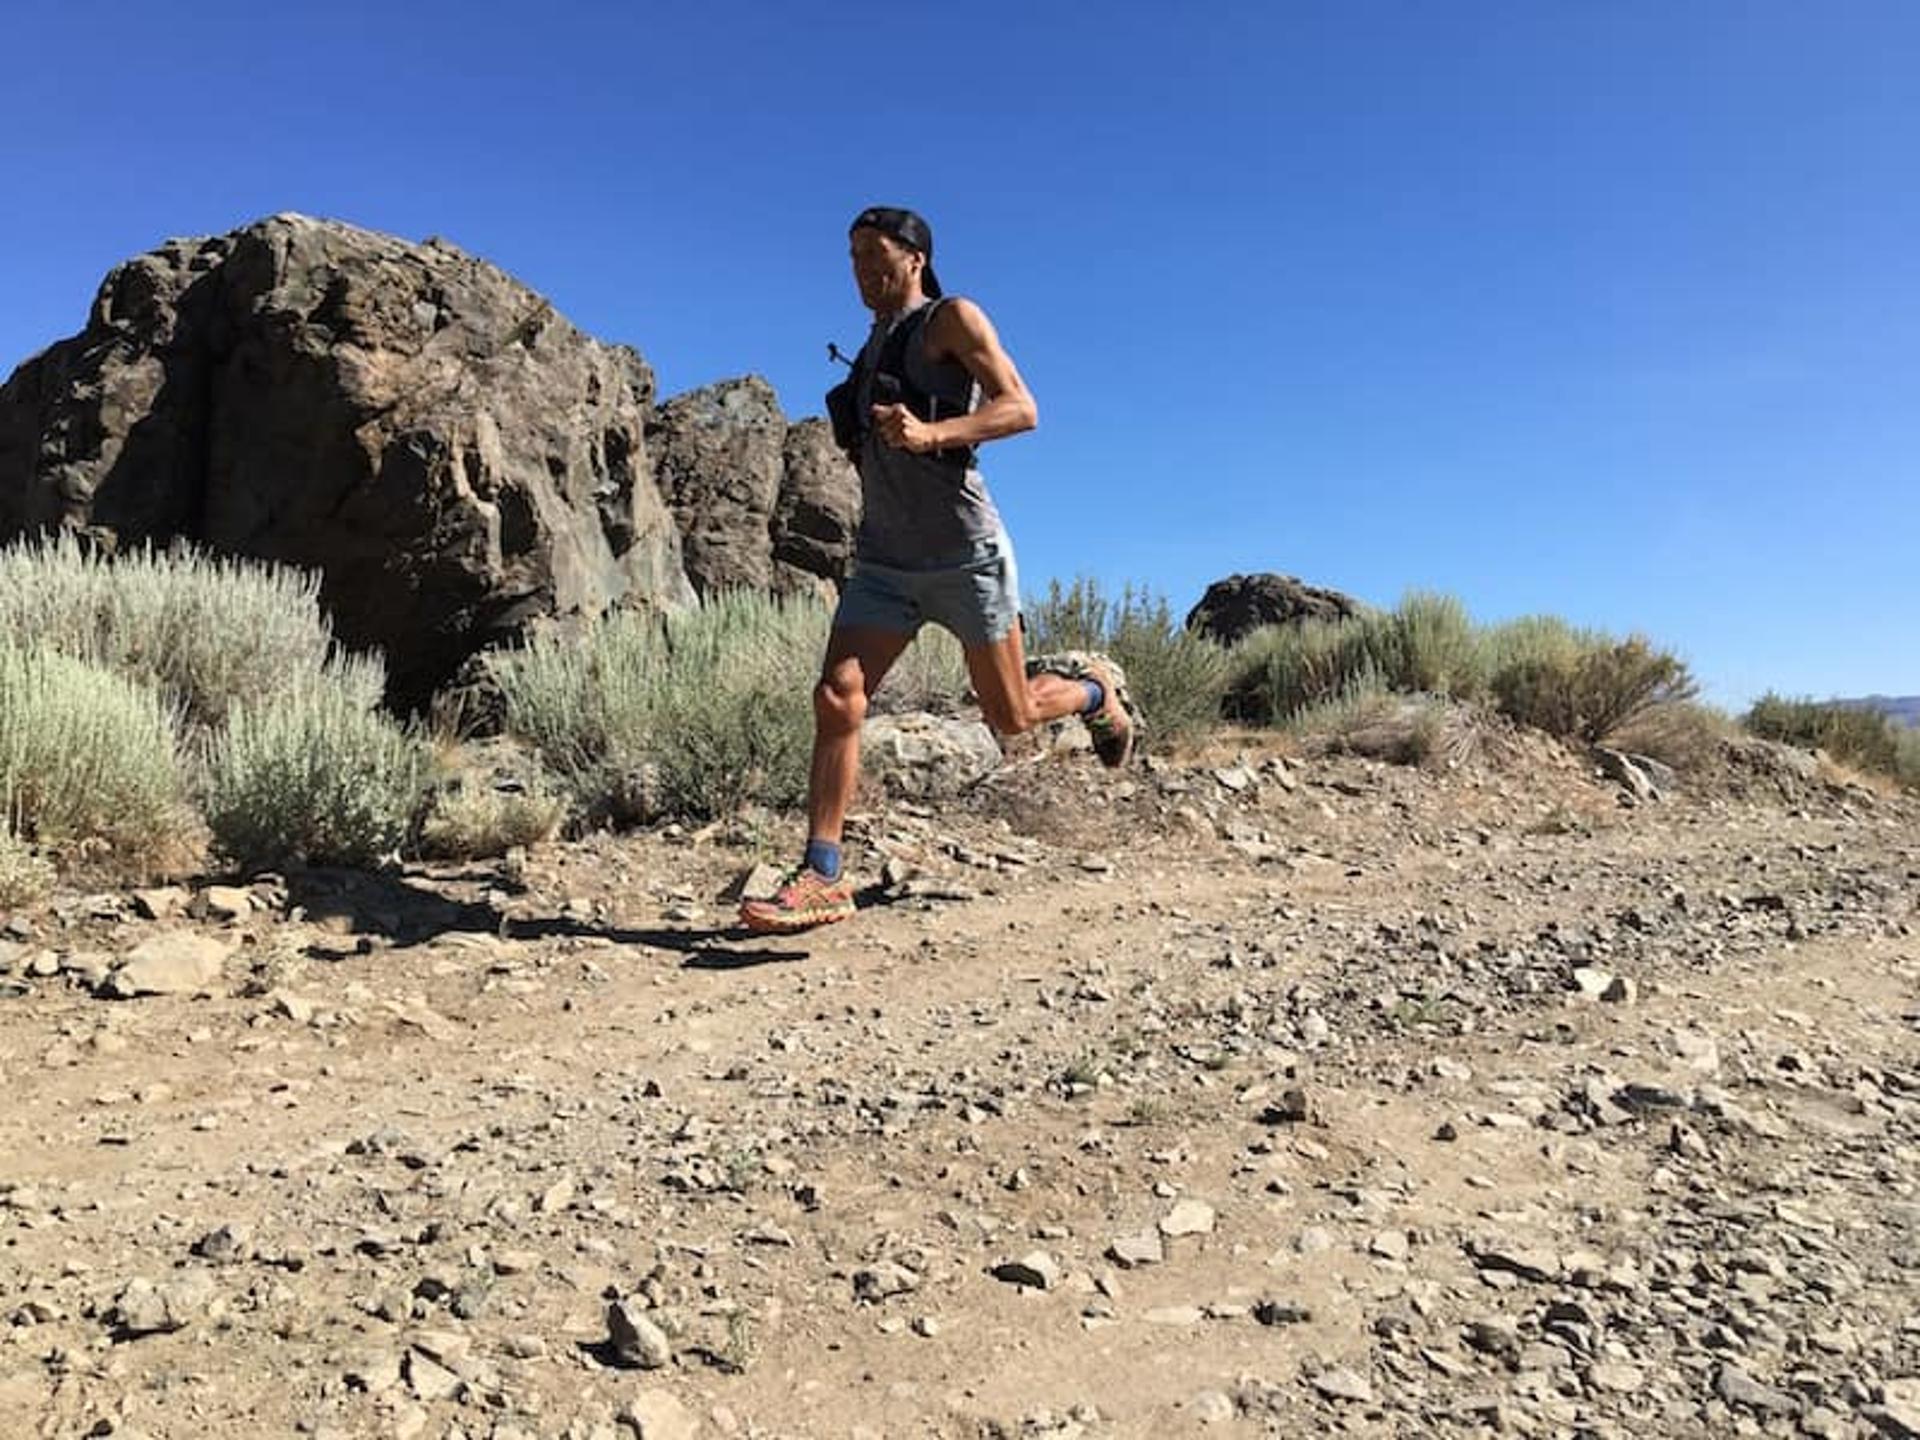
(791, 924)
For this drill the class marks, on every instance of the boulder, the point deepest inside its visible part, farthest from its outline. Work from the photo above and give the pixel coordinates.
(1240, 604)
(451, 455)
(720, 455)
(927, 757)
(819, 509)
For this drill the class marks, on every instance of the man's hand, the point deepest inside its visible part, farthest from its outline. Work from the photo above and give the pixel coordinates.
(902, 429)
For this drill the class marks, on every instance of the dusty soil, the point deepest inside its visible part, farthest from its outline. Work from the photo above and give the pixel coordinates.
(1280, 1096)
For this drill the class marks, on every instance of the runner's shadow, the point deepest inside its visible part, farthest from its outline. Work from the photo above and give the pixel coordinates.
(730, 947)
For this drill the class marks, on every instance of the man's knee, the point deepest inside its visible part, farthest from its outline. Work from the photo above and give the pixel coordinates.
(839, 702)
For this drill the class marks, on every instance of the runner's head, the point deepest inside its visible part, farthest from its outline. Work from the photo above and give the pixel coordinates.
(892, 258)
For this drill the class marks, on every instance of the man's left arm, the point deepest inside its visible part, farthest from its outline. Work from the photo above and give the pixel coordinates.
(961, 331)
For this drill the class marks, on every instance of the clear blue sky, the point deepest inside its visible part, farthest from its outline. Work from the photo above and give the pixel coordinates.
(1606, 309)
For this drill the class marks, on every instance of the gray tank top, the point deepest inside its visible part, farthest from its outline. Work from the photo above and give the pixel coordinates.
(921, 512)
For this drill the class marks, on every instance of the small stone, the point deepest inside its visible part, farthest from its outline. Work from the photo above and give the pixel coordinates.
(1621, 990)
(177, 964)
(143, 1308)
(1736, 1387)
(165, 904)
(1281, 1312)
(659, 1415)
(1177, 1315)
(762, 882)
(429, 1380)
(1189, 1217)
(635, 1340)
(1294, 1107)
(1389, 1245)
(294, 1007)
(227, 902)
(1344, 1384)
(1130, 1252)
(515, 1262)
(524, 1347)
(1591, 983)
(225, 1246)
(1619, 1379)
(1036, 1270)
(883, 1281)
(927, 1327)
(375, 1373)
(1539, 1266)
(1212, 1407)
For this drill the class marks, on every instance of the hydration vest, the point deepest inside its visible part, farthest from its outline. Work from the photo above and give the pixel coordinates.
(885, 375)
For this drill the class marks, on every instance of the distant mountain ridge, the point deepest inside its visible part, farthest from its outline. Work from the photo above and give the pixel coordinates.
(1901, 709)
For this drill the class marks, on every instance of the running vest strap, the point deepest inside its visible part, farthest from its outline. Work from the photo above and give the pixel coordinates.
(885, 375)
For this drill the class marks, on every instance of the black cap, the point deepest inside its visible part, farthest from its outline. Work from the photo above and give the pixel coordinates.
(910, 230)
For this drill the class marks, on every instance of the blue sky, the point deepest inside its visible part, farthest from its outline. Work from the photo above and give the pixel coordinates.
(1605, 309)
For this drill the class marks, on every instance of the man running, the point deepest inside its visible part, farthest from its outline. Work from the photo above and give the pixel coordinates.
(931, 384)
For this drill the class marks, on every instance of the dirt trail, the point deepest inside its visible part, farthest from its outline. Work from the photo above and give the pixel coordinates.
(1279, 1089)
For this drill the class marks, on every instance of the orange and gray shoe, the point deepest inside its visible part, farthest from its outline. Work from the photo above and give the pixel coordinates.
(806, 898)
(1110, 726)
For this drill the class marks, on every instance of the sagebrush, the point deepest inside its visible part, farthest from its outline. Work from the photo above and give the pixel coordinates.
(691, 713)
(1177, 678)
(90, 762)
(315, 775)
(206, 633)
(1853, 734)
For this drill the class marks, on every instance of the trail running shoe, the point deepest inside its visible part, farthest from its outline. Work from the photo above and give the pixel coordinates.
(1110, 726)
(806, 898)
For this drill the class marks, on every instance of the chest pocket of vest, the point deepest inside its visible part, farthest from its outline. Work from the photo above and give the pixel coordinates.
(886, 379)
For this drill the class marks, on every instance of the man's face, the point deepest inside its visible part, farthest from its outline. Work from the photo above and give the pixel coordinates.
(884, 269)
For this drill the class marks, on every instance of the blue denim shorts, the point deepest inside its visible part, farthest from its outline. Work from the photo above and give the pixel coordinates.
(978, 599)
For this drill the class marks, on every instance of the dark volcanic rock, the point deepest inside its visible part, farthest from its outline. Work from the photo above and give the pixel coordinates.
(760, 504)
(1234, 607)
(452, 455)
(719, 455)
(819, 508)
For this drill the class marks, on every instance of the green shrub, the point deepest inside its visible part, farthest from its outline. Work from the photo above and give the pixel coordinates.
(484, 803)
(313, 773)
(1439, 652)
(207, 633)
(1177, 678)
(1852, 734)
(1589, 693)
(88, 759)
(1371, 720)
(1280, 671)
(1907, 757)
(693, 713)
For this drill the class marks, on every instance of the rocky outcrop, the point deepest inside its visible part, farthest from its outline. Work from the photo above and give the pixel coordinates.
(456, 460)
(760, 504)
(1235, 607)
(425, 431)
(819, 509)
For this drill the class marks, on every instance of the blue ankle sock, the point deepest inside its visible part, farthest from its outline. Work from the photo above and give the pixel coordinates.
(1096, 697)
(823, 858)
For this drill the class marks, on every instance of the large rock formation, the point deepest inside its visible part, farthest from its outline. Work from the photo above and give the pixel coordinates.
(455, 458)
(760, 504)
(1240, 604)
